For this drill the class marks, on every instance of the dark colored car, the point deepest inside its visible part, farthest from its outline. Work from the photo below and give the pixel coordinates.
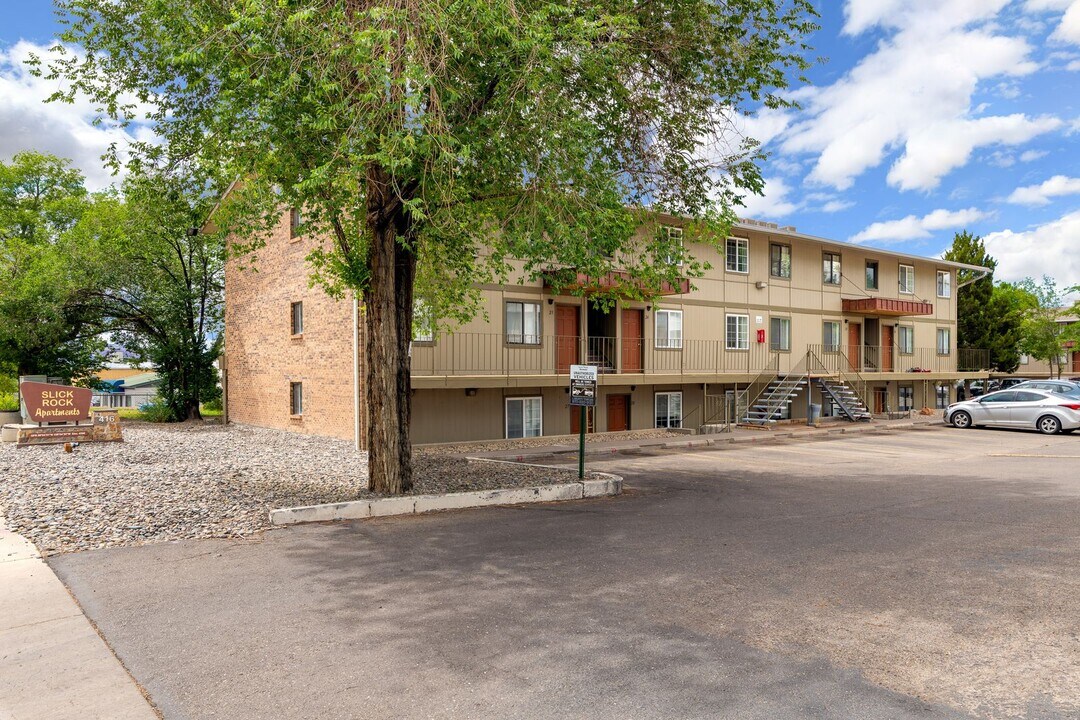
(1058, 387)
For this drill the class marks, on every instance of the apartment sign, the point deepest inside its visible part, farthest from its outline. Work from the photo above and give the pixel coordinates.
(46, 403)
(583, 385)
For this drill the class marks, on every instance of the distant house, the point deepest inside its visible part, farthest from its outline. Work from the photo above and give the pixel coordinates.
(129, 387)
(1070, 357)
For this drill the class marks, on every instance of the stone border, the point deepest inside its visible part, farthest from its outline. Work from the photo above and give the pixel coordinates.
(603, 484)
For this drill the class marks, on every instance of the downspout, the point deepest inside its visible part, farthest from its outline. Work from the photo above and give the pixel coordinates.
(970, 280)
(356, 371)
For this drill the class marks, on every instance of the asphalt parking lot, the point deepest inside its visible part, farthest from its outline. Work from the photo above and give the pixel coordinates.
(917, 574)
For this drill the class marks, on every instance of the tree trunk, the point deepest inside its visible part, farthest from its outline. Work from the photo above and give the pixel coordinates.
(388, 318)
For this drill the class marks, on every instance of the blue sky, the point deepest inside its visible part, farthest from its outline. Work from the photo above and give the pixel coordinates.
(928, 117)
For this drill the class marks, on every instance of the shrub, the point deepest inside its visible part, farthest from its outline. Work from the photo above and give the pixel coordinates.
(9, 402)
(157, 412)
(213, 405)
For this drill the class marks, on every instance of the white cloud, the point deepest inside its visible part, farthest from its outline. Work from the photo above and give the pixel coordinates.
(1032, 155)
(913, 227)
(1073, 66)
(914, 94)
(773, 204)
(1048, 249)
(1056, 186)
(833, 206)
(1069, 28)
(27, 122)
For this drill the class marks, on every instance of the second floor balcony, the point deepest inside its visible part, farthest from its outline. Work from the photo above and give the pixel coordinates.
(493, 355)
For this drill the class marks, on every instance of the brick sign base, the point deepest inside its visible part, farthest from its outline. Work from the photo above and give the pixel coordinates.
(105, 428)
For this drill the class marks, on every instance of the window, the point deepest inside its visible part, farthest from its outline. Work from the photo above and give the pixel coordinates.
(905, 339)
(830, 336)
(738, 255)
(1022, 396)
(737, 332)
(423, 325)
(669, 328)
(831, 269)
(1006, 396)
(780, 334)
(780, 261)
(944, 284)
(296, 399)
(297, 318)
(907, 279)
(524, 417)
(674, 238)
(523, 323)
(1024, 359)
(668, 406)
(871, 274)
(295, 221)
(941, 395)
(907, 397)
(944, 341)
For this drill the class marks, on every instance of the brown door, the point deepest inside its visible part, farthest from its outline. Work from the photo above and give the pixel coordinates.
(567, 335)
(854, 341)
(575, 420)
(633, 341)
(618, 413)
(887, 347)
(880, 397)
(1076, 362)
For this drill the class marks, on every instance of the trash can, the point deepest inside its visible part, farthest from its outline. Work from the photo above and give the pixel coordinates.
(815, 412)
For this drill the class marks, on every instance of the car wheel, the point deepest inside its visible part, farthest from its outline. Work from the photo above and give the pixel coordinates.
(1049, 425)
(961, 419)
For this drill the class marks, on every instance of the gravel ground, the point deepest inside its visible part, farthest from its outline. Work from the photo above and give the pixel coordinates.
(168, 482)
(525, 443)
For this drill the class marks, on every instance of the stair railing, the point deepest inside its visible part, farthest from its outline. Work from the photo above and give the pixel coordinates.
(840, 368)
(791, 378)
(745, 398)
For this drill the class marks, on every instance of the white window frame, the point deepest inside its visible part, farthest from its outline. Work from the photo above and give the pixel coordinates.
(668, 341)
(774, 337)
(877, 275)
(907, 272)
(525, 338)
(674, 235)
(944, 289)
(742, 259)
(939, 402)
(1025, 358)
(945, 333)
(909, 347)
(745, 344)
(296, 318)
(524, 429)
(296, 399)
(826, 345)
(839, 268)
(656, 404)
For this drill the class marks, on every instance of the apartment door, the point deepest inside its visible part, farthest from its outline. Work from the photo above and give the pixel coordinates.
(881, 399)
(618, 413)
(854, 341)
(633, 341)
(567, 336)
(575, 420)
(1076, 362)
(887, 332)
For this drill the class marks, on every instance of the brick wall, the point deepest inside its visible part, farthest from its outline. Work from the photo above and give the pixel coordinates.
(262, 358)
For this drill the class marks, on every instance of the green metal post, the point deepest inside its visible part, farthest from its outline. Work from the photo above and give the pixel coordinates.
(581, 446)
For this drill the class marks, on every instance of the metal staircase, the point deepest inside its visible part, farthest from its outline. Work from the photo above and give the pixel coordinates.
(845, 401)
(770, 404)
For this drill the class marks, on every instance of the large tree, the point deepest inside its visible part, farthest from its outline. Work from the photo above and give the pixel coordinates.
(1044, 334)
(988, 315)
(441, 144)
(159, 278)
(46, 327)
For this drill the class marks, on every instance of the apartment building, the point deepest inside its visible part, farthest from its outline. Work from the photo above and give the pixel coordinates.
(782, 325)
(1068, 363)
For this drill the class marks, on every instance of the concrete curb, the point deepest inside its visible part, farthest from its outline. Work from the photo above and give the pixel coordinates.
(604, 485)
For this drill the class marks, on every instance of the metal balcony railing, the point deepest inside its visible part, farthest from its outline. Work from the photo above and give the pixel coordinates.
(457, 354)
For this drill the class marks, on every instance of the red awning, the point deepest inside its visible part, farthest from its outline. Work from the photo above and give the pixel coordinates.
(887, 306)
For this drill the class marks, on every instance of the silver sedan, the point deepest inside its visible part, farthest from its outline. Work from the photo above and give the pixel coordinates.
(1026, 409)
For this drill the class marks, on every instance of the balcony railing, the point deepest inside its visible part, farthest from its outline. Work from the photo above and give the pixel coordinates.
(480, 354)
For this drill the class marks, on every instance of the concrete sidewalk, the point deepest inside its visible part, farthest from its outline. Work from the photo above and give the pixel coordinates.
(644, 446)
(53, 663)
